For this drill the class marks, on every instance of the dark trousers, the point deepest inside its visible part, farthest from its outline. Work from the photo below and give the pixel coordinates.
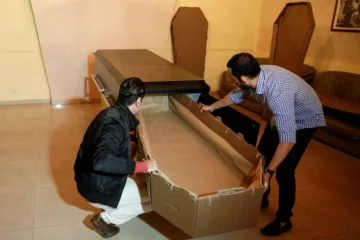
(285, 173)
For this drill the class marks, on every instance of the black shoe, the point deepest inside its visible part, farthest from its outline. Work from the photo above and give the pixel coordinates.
(104, 229)
(264, 203)
(276, 228)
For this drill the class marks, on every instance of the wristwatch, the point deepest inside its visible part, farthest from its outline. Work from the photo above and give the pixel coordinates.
(271, 172)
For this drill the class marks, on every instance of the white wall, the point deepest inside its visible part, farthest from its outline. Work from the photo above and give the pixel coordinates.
(22, 72)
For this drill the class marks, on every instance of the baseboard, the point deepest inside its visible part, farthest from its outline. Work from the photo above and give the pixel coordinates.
(26, 101)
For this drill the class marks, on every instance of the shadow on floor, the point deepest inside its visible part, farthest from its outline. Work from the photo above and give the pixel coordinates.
(163, 226)
(66, 138)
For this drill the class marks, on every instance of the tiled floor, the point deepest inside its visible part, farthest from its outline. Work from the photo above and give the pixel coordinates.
(39, 201)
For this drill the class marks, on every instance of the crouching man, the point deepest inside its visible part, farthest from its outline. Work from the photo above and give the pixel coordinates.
(104, 162)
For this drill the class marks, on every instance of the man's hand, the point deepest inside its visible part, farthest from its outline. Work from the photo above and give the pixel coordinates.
(267, 178)
(224, 102)
(208, 108)
(152, 166)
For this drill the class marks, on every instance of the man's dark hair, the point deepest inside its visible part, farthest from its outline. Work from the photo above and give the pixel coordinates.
(130, 90)
(244, 64)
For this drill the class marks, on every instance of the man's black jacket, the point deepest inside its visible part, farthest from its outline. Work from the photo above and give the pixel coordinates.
(103, 160)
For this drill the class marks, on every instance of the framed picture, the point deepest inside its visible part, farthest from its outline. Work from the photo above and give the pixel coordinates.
(346, 16)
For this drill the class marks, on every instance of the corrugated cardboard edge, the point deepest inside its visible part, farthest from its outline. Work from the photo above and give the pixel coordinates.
(239, 144)
(174, 204)
(162, 192)
(222, 213)
(145, 152)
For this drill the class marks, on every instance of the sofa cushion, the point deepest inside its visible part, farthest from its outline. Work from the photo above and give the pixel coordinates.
(346, 129)
(340, 84)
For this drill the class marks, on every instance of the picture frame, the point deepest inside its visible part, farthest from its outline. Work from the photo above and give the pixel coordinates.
(346, 16)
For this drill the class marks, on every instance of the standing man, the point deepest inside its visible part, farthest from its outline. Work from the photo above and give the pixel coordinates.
(103, 162)
(297, 113)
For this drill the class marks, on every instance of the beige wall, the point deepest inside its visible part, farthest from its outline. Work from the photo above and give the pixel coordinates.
(328, 50)
(69, 30)
(22, 73)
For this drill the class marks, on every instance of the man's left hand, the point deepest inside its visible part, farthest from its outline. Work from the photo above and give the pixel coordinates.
(267, 178)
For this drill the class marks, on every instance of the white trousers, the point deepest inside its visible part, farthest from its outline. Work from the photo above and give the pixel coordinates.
(129, 207)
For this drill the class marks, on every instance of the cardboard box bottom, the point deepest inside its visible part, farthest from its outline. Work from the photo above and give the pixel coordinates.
(207, 215)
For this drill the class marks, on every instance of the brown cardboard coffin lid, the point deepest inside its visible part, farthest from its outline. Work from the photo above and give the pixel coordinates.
(292, 34)
(189, 29)
(144, 64)
(159, 75)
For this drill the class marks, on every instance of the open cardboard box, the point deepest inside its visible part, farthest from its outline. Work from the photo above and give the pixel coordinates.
(210, 180)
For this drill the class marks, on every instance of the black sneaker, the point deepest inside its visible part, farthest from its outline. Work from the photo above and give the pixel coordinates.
(276, 228)
(104, 229)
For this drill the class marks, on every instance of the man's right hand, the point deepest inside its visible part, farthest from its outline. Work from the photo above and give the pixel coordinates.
(208, 108)
(152, 166)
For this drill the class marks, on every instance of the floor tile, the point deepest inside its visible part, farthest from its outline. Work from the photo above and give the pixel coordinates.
(60, 138)
(252, 233)
(18, 166)
(136, 229)
(25, 111)
(58, 150)
(316, 221)
(320, 161)
(16, 208)
(57, 124)
(55, 172)
(347, 236)
(19, 125)
(19, 138)
(18, 173)
(14, 154)
(55, 206)
(17, 235)
(162, 226)
(310, 220)
(44, 140)
(343, 204)
(69, 232)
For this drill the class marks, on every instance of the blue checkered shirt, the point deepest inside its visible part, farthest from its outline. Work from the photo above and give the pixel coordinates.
(292, 101)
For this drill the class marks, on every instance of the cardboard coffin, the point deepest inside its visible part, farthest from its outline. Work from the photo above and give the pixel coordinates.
(189, 30)
(210, 180)
(292, 33)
